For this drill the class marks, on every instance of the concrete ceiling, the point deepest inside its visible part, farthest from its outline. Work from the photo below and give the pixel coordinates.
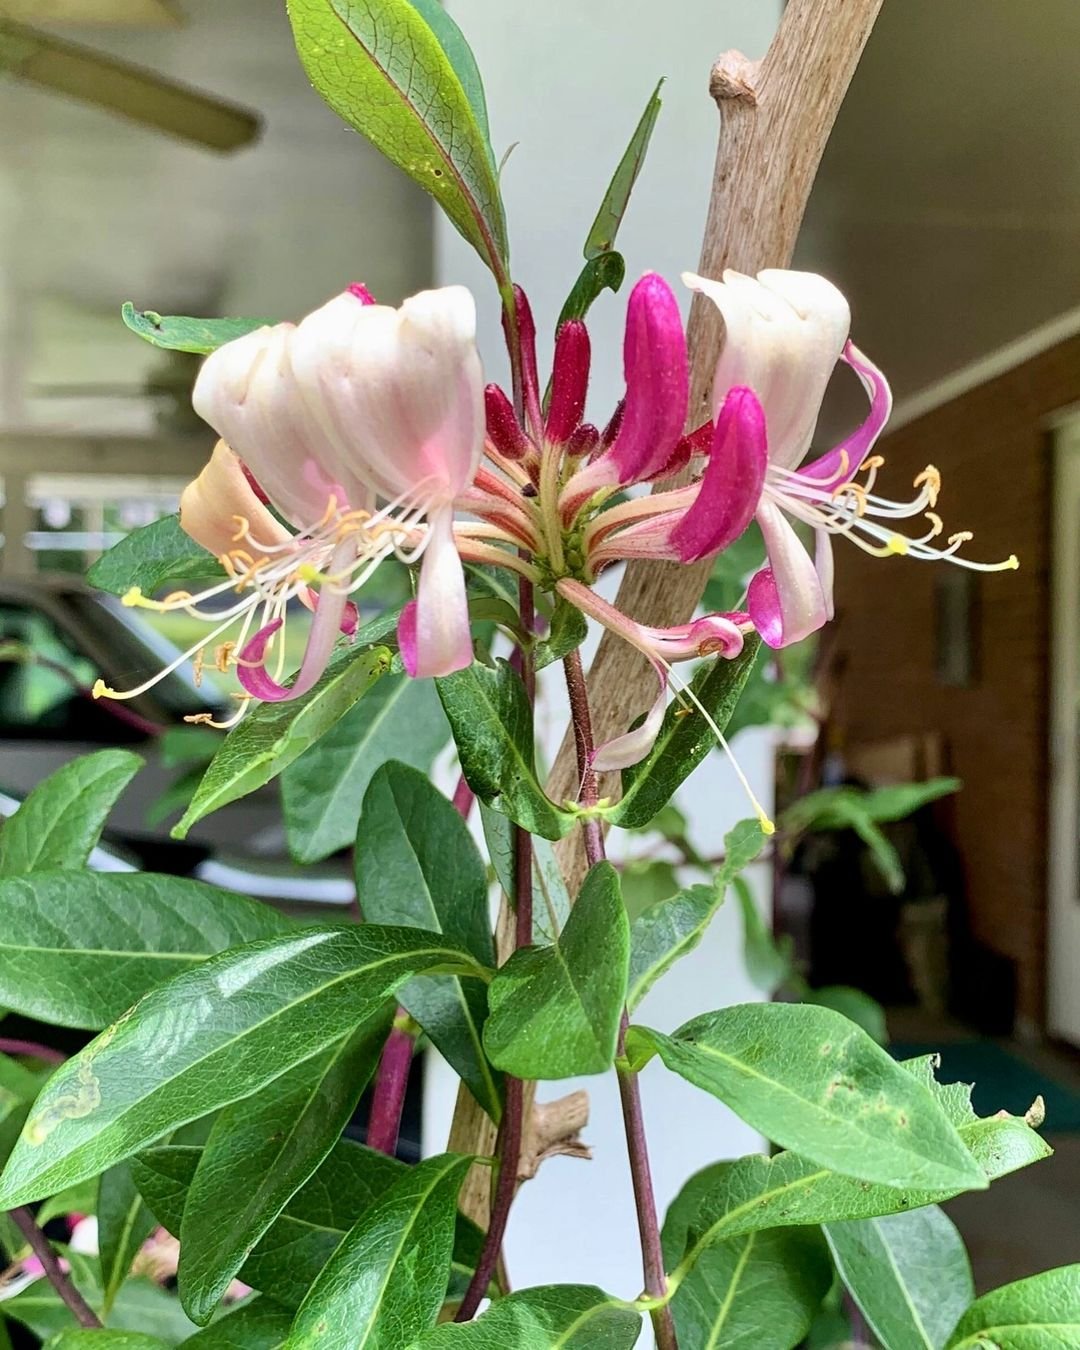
(948, 203)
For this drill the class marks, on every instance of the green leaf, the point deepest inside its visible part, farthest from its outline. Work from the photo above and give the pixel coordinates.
(555, 1009)
(460, 55)
(492, 724)
(18, 1086)
(612, 209)
(322, 791)
(569, 629)
(551, 1317)
(551, 901)
(77, 949)
(760, 1290)
(151, 556)
(417, 865)
(909, 1274)
(603, 273)
(141, 1304)
(754, 1193)
(258, 1324)
(61, 820)
(810, 1080)
(209, 1037)
(298, 1244)
(382, 69)
(673, 927)
(177, 333)
(385, 1283)
(856, 1006)
(124, 1224)
(275, 734)
(1039, 1313)
(768, 960)
(685, 739)
(259, 1153)
(80, 1199)
(105, 1340)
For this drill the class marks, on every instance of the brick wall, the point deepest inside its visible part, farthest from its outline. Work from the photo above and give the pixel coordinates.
(995, 458)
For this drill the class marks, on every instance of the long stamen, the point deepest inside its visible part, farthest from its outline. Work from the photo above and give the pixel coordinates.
(102, 690)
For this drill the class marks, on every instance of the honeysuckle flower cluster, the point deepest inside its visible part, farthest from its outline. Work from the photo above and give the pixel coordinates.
(366, 431)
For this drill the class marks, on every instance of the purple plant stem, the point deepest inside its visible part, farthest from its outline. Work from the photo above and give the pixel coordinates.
(32, 1050)
(388, 1097)
(652, 1256)
(512, 1127)
(42, 1249)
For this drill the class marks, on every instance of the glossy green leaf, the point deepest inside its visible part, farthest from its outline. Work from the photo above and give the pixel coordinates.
(61, 820)
(124, 1224)
(551, 1317)
(151, 556)
(909, 1274)
(77, 949)
(685, 739)
(460, 55)
(417, 865)
(259, 1153)
(551, 900)
(569, 629)
(141, 1305)
(761, 1290)
(383, 69)
(605, 227)
(258, 1324)
(606, 272)
(322, 791)
(810, 1080)
(209, 1037)
(384, 1285)
(87, 1339)
(18, 1086)
(178, 333)
(492, 724)
(1039, 1313)
(754, 1193)
(299, 1243)
(555, 1009)
(274, 734)
(672, 927)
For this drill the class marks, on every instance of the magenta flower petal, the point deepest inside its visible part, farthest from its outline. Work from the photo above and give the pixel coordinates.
(839, 466)
(786, 599)
(433, 631)
(657, 381)
(569, 382)
(731, 485)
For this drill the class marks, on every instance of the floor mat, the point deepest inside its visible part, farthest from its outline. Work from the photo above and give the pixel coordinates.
(1003, 1081)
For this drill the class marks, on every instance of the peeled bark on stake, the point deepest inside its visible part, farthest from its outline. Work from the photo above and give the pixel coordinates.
(776, 118)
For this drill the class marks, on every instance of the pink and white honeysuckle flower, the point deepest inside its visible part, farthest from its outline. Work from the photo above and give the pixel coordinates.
(785, 334)
(361, 426)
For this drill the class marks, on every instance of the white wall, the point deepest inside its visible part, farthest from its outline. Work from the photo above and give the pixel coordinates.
(568, 80)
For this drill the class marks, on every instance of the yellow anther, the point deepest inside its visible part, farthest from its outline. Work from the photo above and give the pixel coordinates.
(197, 668)
(932, 478)
(961, 537)
(243, 525)
(223, 656)
(198, 719)
(897, 544)
(874, 462)
(175, 598)
(936, 523)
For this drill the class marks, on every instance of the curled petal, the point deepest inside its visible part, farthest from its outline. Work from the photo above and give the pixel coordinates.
(785, 332)
(211, 505)
(786, 599)
(839, 466)
(632, 746)
(569, 382)
(433, 632)
(731, 485)
(330, 619)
